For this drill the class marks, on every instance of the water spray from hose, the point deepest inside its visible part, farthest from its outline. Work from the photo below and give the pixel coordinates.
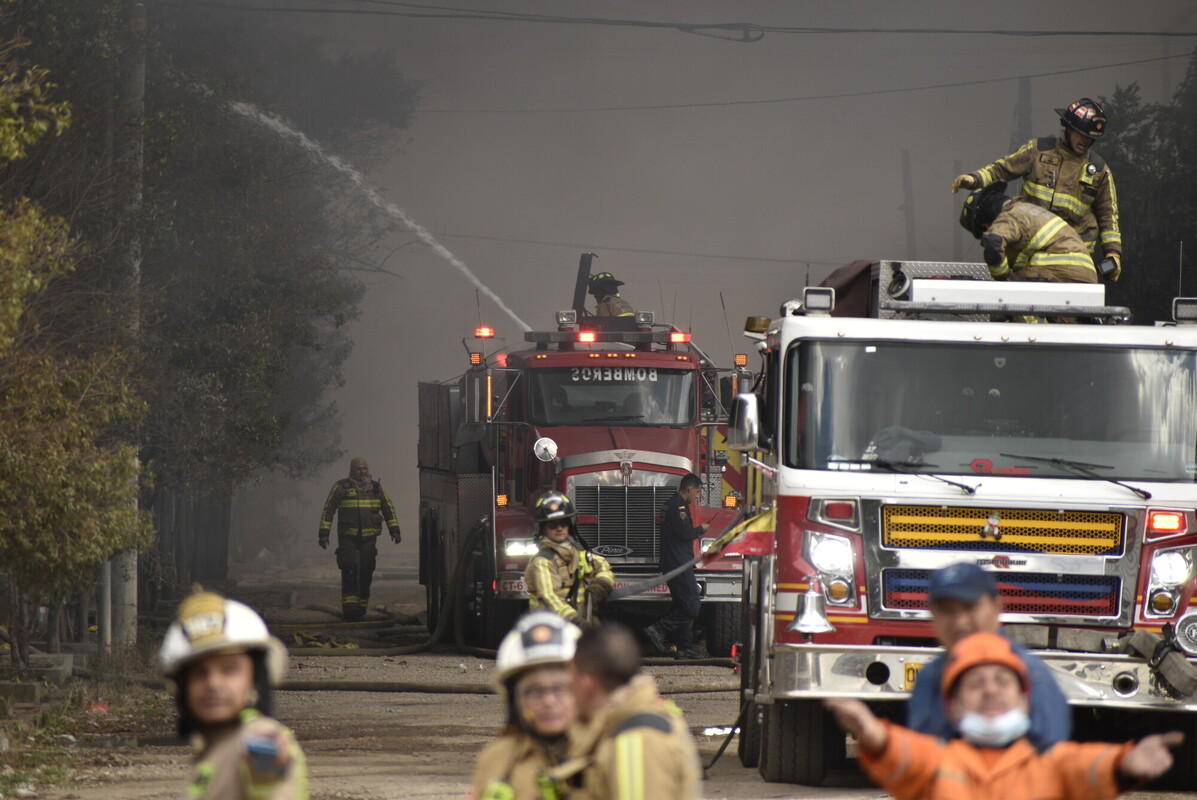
(283, 129)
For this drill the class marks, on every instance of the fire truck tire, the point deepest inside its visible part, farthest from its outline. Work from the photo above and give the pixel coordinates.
(498, 617)
(749, 745)
(794, 741)
(723, 628)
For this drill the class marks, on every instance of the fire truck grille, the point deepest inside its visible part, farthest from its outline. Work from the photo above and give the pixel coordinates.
(1081, 533)
(1021, 592)
(626, 526)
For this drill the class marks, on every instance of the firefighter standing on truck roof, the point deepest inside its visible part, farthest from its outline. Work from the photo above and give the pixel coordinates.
(222, 661)
(563, 575)
(605, 290)
(531, 671)
(1023, 242)
(1063, 175)
(634, 745)
(361, 505)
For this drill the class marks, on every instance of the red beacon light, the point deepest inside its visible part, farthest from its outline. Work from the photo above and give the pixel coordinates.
(1166, 523)
(484, 332)
(586, 336)
(677, 337)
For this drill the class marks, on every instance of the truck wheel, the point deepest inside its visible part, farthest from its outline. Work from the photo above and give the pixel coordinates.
(794, 743)
(723, 628)
(498, 617)
(749, 745)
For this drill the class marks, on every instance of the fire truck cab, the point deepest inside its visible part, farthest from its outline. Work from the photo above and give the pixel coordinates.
(1062, 457)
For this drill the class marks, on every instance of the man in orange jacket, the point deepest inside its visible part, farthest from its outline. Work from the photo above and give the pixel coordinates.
(986, 685)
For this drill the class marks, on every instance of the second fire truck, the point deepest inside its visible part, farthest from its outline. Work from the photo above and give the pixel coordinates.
(1062, 457)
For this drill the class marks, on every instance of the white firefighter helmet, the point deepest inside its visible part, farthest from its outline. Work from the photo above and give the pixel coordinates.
(209, 624)
(538, 638)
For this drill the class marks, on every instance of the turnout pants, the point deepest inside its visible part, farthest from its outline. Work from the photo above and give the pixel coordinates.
(683, 610)
(356, 556)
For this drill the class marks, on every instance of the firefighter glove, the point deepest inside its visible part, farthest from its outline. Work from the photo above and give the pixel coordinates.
(993, 245)
(396, 537)
(323, 541)
(964, 181)
(1116, 273)
(599, 591)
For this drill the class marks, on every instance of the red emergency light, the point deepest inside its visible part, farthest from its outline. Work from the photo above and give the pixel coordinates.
(484, 332)
(677, 337)
(1166, 523)
(586, 336)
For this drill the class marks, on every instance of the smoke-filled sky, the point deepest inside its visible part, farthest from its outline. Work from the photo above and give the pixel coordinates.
(694, 165)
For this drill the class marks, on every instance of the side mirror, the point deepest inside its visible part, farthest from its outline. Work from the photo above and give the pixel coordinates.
(544, 449)
(744, 424)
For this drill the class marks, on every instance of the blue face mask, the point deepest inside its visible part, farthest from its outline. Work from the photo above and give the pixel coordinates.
(996, 731)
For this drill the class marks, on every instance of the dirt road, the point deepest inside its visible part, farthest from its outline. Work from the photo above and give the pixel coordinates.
(378, 746)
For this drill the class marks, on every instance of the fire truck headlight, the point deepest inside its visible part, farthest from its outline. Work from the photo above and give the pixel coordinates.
(1170, 567)
(832, 554)
(514, 548)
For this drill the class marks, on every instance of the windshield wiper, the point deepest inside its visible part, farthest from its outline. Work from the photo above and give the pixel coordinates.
(905, 469)
(621, 418)
(1082, 468)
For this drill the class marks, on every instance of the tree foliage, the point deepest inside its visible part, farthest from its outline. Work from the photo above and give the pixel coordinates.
(69, 484)
(1150, 150)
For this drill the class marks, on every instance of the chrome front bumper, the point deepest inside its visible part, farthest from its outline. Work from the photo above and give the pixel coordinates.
(888, 673)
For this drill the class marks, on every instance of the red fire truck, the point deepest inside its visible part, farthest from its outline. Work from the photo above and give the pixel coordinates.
(610, 411)
(1062, 457)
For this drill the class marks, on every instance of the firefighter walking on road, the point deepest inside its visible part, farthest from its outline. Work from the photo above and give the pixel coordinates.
(1023, 242)
(361, 506)
(634, 745)
(1063, 175)
(564, 577)
(222, 661)
(531, 670)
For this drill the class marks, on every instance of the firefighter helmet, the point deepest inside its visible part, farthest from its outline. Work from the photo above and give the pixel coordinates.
(603, 284)
(981, 207)
(209, 624)
(554, 505)
(539, 638)
(1085, 117)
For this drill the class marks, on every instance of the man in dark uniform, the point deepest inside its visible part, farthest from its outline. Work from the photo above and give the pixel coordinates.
(678, 533)
(360, 506)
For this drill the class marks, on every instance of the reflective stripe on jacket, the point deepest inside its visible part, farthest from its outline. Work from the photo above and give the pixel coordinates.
(224, 770)
(1035, 237)
(637, 748)
(358, 514)
(559, 576)
(1079, 189)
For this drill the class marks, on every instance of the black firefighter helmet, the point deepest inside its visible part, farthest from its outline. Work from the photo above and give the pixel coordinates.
(603, 285)
(554, 505)
(981, 207)
(1085, 117)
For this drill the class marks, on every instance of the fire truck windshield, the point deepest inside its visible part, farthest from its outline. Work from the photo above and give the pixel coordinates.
(967, 409)
(611, 395)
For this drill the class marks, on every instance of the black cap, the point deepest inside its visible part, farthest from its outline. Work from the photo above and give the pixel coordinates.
(964, 582)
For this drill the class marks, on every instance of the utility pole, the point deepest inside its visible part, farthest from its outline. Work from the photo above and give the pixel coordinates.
(908, 204)
(129, 153)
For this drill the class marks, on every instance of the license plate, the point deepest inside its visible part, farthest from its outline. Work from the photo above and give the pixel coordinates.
(512, 585)
(911, 674)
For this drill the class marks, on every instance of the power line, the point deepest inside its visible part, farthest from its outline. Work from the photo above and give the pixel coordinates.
(746, 31)
(801, 98)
